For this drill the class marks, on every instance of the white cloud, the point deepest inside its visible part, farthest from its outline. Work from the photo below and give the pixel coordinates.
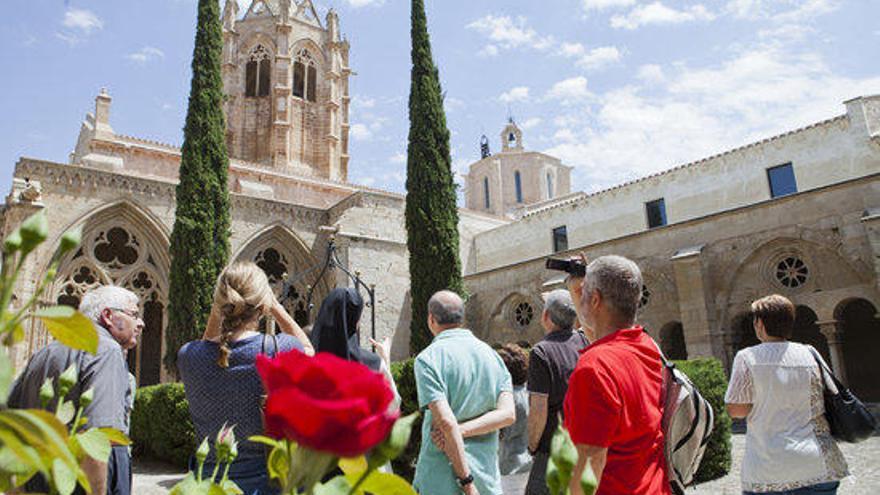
(399, 157)
(82, 20)
(508, 33)
(364, 3)
(488, 51)
(657, 13)
(651, 73)
(530, 123)
(519, 93)
(451, 104)
(781, 10)
(145, 55)
(360, 132)
(696, 112)
(590, 59)
(606, 4)
(569, 90)
(362, 102)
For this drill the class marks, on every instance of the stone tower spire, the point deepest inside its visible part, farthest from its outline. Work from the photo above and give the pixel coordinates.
(286, 80)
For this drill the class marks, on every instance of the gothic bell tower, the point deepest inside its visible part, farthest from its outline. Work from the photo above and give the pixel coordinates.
(285, 76)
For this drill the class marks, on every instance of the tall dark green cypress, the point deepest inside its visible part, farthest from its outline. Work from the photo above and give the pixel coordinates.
(200, 239)
(431, 211)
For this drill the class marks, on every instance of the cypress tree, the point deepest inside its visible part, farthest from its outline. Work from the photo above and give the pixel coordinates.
(431, 211)
(200, 239)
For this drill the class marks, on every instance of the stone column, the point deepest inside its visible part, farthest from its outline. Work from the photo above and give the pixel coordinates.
(831, 330)
(692, 301)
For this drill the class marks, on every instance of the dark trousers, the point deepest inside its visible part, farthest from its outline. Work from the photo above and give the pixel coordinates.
(820, 489)
(537, 484)
(118, 475)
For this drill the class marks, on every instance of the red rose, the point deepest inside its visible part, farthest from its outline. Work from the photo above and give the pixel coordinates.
(326, 403)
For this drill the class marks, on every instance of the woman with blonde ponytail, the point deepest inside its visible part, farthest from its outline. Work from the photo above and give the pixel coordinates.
(219, 374)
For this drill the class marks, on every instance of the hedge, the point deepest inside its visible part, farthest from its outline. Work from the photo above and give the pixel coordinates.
(161, 427)
(708, 376)
(706, 373)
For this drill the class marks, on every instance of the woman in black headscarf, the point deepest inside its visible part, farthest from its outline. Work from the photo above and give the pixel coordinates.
(336, 328)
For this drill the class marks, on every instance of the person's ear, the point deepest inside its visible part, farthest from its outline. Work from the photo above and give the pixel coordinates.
(106, 317)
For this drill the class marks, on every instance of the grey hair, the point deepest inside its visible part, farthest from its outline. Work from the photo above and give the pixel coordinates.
(560, 309)
(619, 280)
(108, 296)
(446, 307)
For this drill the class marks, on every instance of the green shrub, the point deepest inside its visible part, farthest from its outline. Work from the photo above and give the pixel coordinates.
(709, 378)
(405, 379)
(161, 427)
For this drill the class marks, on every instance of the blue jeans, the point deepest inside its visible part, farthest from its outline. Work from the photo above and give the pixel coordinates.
(820, 489)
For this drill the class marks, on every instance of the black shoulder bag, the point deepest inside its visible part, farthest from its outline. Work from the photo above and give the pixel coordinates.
(849, 419)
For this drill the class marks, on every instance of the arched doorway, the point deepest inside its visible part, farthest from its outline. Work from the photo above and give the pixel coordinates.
(672, 341)
(861, 345)
(806, 331)
(122, 246)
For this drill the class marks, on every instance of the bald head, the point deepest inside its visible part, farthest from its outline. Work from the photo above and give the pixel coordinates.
(447, 308)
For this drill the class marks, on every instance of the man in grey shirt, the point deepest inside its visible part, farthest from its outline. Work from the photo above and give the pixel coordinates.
(115, 313)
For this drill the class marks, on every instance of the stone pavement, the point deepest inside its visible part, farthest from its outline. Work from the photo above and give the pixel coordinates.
(864, 462)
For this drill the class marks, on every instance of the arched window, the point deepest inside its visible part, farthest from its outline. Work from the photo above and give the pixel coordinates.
(305, 76)
(257, 72)
(549, 186)
(518, 183)
(486, 193)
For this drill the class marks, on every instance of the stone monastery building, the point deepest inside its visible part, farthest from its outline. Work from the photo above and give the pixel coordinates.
(797, 214)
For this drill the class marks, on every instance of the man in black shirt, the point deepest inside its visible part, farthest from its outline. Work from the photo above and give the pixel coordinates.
(551, 362)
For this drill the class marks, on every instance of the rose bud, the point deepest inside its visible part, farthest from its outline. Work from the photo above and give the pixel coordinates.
(67, 379)
(202, 451)
(47, 393)
(87, 397)
(225, 441)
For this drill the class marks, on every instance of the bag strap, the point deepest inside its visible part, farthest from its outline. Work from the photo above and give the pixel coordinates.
(274, 342)
(666, 362)
(824, 372)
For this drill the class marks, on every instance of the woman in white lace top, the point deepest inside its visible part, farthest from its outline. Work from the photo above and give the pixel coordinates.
(777, 387)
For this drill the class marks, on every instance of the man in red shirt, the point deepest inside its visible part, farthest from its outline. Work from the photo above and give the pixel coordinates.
(613, 406)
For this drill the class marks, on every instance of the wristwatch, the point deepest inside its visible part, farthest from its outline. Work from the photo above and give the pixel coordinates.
(467, 480)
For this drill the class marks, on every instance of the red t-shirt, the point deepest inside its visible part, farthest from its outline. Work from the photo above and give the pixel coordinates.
(614, 401)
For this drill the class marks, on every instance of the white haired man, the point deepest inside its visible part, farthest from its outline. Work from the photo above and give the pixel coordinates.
(459, 378)
(613, 405)
(114, 311)
(551, 362)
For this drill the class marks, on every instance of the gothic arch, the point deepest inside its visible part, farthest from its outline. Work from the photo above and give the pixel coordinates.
(254, 39)
(313, 48)
(282, 254)
(122, 244)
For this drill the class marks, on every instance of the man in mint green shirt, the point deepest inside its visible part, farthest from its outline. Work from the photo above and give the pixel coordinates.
(467, 391)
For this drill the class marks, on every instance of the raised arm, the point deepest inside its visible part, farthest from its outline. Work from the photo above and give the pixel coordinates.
(289, 326)
(503, 415)
(537, 419)
(444, 421)
(212, 329)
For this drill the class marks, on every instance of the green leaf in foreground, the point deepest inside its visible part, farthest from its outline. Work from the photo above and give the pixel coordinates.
(70, 327)
(95, 444)
(63, 476)
(384, 483)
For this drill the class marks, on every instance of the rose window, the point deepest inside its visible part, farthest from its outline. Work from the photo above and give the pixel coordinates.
(523, 314)
(792, 272)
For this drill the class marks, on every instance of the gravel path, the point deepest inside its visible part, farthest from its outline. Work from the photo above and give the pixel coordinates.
(152, 478)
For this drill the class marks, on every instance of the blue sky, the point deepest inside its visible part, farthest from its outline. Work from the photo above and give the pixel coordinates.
(616, 88)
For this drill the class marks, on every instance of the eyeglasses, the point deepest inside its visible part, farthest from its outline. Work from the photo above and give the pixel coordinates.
(133, 314)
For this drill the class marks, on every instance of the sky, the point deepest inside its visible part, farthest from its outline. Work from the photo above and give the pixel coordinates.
(618, 89)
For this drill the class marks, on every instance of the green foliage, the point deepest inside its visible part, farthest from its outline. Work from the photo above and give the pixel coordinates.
(200, 239)
(405, 379)
(161, 427)
(32, 440)
(431, 211)
(708, 376)
(560, 466)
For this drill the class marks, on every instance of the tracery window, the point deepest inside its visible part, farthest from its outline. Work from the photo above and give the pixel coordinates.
(305, 76)
(276, 266)
(792, 272)
(116, 255)
(523, 314)
(257, 72)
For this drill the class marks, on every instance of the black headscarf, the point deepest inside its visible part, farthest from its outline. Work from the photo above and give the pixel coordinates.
(336, 328)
